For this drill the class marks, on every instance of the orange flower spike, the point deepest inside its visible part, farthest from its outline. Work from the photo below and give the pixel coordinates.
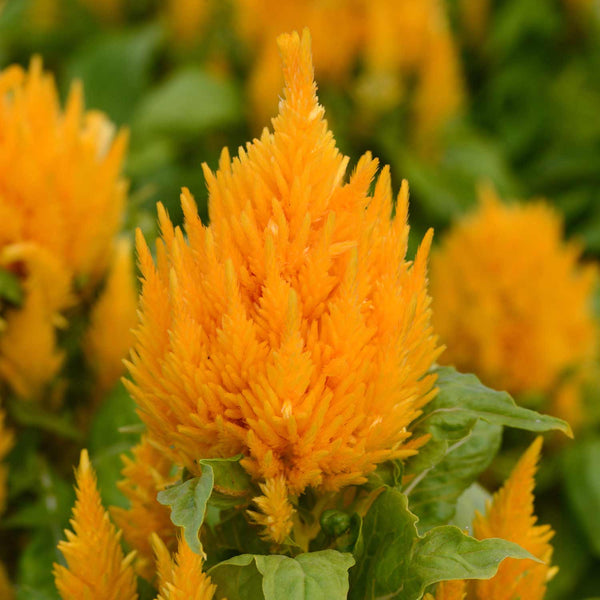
(97, 568)
(510, 516)
(113, 317)
(182, 578)
(145, 476)
(291, 329)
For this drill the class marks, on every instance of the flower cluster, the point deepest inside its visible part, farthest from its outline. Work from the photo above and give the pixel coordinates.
(61, 205)
(292, 329)
(500, 283)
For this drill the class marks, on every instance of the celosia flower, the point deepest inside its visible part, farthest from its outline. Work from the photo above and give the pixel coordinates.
(511, 516)
(181, 578)
(97, 568)
(144, 476)
(291, 329)
(59, 247)
(274, 510)
(510, 299)
(112, 319)
(347, 32)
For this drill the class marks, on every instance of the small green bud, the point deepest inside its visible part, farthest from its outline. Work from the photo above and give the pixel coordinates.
(335, 522)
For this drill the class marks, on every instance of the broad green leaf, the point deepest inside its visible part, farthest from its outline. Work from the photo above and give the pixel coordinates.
(396, 563)
(34, 577)
(446, 553)
(232, 484)
(311, 576)
(238, 579)
(190, 102)
(10, 287)
(319, 575)
(464, 422)
(188, 505)
(582, 479)
(465, 393)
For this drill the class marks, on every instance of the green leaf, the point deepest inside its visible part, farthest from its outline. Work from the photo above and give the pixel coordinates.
(237, 579)
(116, 60)
(397, 563)
(107, 442)
(472, 500)
(582, 479)
(464, 422)
(33, 415)
(232, 485)
(188, 505)
(465, 393)
(189, 103)
(10, 288)
(319, 575)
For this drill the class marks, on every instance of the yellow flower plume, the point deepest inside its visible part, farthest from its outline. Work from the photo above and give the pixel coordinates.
(144, 476)
(58, 246)
(113, 317)
(511, 516)
(96, 567)
(292, 329)
(274, 510)
(181, 578)
(510, 300)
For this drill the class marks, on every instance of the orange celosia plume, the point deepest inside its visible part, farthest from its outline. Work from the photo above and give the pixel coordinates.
(181, 578)
(510, 300)
(144, 476)
(96, 567)
(61, 201)
(292, 329)
(511, 516)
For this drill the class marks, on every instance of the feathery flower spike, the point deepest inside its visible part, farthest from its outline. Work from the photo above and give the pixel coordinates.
(181, 578)
(274, 510)
(510, 516)
(291, 329)
(96, 567)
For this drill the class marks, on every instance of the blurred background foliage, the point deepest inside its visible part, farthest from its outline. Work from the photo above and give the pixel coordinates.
(520, 109)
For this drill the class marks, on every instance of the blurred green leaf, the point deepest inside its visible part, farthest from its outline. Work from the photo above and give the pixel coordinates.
(190, 102)
(10, 287)
(106, 443)
(31, 414)
(582, 480)
(115, 69)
